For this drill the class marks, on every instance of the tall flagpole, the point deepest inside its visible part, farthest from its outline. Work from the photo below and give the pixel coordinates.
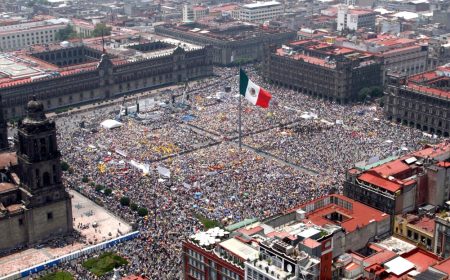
(240, 110)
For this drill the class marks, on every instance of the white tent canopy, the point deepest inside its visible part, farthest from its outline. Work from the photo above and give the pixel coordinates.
(110, 124)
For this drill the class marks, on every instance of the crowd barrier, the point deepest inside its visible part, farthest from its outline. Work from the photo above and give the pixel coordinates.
(71, 256)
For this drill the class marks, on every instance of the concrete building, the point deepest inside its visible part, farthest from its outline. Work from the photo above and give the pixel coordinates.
(402, 55)
(194, 13)
(401, 184)
(439, 51)
(441, 245)
(418, 229)
(18, 36)
(34, 205)
(78, 73)
(232, 41)
(261, 11)
(300, 243)
(354, 19)
(319, 69)
(421, 101)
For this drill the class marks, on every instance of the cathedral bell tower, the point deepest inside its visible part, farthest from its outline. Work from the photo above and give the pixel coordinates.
(39, 159)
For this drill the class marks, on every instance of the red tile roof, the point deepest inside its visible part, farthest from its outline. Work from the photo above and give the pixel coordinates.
(379, 258)
(360, 216)
(443, 266)
(421, 259)
(380, 182)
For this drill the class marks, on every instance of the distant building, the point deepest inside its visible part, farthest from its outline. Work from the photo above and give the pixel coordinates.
(400, 184)
(34, 205)
(18, 36)
(79, 73)
(400, 55)
(261, 11)
(320, 69)
(420, 101)
(439, 51)
(194, 13)
(232, 41)
(354, 19)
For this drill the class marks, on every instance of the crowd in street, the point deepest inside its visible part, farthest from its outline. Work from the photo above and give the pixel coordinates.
(206, 174)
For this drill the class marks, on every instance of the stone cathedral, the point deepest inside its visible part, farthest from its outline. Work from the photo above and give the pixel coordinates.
(34, 205)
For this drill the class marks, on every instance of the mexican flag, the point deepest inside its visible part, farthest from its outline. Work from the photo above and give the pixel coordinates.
(252, 92)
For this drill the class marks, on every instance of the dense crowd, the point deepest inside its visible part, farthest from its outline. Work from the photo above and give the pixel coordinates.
(209, 175)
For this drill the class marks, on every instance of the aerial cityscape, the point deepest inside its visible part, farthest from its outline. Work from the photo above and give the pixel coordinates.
(225, 140)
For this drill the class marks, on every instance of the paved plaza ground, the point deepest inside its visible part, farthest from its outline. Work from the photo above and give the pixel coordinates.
(85, 212)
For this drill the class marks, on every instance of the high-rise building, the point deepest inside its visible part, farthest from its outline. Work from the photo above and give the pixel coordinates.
(261, 11)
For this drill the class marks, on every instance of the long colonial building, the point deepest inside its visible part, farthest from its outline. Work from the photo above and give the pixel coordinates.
(322, 70)
(421, 101)
(232, 42)
(78, 74)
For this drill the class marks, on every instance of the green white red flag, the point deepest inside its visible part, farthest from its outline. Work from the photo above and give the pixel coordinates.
(252, 92)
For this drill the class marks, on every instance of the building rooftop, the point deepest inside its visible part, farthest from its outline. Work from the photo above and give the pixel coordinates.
(399, 266)
(343, 212)
(432, 82)
(240, 249)
(421, 259)
(443, 266)
(257, 5)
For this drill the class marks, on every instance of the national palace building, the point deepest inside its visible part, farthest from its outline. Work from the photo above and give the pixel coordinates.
(76, 73)
(421, 100)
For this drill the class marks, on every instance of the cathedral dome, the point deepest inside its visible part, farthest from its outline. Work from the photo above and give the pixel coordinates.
(35, 106)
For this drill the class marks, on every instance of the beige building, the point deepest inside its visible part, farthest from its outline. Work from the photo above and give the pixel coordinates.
(34, 205)
(261, 11)
(15, 37)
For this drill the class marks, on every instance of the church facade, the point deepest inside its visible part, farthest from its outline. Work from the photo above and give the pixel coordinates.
(34, 205)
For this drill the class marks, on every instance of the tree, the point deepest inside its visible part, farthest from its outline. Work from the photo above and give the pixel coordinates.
(85, 179)
(108, 192)
(125, 201)
(142, 211)
(133, 206)
(66, 33)
(64, 166)
(101, 29)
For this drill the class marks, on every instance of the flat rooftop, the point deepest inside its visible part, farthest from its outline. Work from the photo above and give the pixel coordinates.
(84, 211)
(341, 211)
(258, 5)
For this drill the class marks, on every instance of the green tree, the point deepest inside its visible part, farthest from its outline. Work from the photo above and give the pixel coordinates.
(125, 201)
(64, 166)
(85, 179)
(142, 211)
(101, 29)
(133, 206)
(66, 33)
(108, 192)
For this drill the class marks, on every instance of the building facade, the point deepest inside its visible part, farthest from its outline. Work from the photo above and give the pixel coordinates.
(401, 184)
(101, 77)
(261, 11)
(421, 101)
(314, 68)
(354, 19)
(15, 37)
(194, 13)
(231, 42)
(441, 245)
(34, 205)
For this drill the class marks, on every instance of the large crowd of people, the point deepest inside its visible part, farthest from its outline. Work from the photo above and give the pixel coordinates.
(204, 171)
